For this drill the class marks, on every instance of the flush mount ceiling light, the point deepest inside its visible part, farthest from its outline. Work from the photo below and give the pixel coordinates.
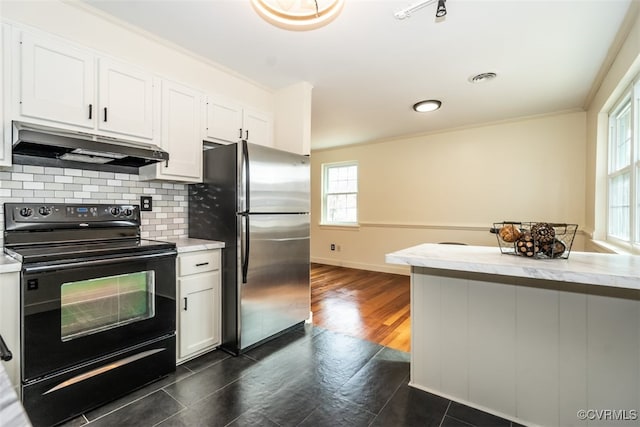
(482, 77)
(441, 10)
(298, 15)
(426, 106)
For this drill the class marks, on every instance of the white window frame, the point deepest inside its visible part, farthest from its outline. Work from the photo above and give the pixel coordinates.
(325, 184)
(630, 97)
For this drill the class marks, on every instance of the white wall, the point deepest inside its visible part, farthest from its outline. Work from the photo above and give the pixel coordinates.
(452, 186)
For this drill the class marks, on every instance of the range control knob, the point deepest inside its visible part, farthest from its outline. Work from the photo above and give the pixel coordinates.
(115, 211)
(44, 210)
(127, 212)
(26, 212)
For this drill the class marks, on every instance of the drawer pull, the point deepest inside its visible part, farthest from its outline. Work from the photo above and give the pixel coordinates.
(185, 304)
(202, 264)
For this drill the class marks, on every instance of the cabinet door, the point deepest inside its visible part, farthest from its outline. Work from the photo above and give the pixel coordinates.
(224, 120)
(125, 100)
(10, 322)
(257, 127)
(199, 323)
(181, 132)
(57, 82)
(5, 123)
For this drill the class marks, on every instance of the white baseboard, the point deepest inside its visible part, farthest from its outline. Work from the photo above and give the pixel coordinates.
(404, 270)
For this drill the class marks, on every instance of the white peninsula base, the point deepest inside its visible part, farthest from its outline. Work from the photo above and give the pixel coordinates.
(534, 341)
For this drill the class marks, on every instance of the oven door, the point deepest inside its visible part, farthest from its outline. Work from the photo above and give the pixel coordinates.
(78, 311)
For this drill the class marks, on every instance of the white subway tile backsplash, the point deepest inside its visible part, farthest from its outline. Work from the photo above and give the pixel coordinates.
(22, 177)
(90, 174)
(63, 179)
(33, 169)
(36, 184)
(33, 185)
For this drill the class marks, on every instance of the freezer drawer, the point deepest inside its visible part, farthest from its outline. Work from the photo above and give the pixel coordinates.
(273, 275)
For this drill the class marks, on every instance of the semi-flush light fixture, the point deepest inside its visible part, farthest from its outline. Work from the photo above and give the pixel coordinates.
(299, 15)
(441, 10)
(426, 106)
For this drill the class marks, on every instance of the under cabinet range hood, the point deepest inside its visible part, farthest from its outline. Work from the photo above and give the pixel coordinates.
(47, 146)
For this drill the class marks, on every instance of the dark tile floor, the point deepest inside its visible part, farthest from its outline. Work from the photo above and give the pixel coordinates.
(307, 377)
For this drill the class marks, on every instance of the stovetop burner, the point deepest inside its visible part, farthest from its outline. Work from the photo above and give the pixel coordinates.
(51, 232)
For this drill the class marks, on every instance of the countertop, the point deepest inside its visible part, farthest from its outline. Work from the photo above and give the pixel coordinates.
(621, 271)
(187, 244)
(11, 411)
(8, 264)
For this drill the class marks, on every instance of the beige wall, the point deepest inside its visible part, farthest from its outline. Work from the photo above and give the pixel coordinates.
(452, 186)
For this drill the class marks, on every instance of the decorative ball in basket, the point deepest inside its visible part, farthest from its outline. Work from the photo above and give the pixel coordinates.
(535, 239)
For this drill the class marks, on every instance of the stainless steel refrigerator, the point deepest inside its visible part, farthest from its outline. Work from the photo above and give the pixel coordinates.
(256, 200)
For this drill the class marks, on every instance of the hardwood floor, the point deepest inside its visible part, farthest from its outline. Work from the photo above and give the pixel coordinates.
(365, 304)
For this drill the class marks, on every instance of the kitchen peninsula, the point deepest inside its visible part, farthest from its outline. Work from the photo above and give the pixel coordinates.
(537, 341)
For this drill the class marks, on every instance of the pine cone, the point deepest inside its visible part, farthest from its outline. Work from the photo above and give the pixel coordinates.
(543, 232)
(526, 245)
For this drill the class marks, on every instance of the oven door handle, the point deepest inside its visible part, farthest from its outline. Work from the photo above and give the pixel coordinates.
(92, 263)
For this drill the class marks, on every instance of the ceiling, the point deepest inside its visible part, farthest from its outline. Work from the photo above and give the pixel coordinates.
(368, 68)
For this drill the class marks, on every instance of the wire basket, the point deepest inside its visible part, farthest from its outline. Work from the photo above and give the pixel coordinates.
(540, 240)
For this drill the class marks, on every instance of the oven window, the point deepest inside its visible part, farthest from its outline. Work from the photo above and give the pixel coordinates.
(90, 306)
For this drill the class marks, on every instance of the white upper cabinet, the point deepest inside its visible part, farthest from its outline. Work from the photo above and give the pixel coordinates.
(224, 120)
(125, 99)
(257, 127)
(228, 121)
(67, 86)
(57, 82)
(5, 122)
(181, 135)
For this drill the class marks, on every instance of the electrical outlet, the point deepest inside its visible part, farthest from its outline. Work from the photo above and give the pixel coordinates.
(146, 203)
(333, 246)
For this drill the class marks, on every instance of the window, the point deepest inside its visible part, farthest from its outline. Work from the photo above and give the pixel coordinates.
(623, 175)
(340, 193)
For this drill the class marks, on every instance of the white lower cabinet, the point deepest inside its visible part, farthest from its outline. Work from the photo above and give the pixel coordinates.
(10, 322)
(199, 310)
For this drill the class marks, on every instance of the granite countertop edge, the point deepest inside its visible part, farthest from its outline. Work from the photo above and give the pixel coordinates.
(620, 271)
(187, 244)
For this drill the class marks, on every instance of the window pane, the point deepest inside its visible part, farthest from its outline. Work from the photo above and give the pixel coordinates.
(619, 206)
(637, 220)
(620, 145)
(341, 199)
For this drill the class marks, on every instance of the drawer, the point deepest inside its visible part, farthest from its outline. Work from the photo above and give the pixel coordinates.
(198, 262)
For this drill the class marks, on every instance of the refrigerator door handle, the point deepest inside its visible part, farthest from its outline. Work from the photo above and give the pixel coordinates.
(245, 167)
(245, 249)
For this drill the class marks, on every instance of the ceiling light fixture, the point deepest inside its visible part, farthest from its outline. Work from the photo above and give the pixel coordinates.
(298, 15)
(405, 13)
(426, 106)
(482, 77)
